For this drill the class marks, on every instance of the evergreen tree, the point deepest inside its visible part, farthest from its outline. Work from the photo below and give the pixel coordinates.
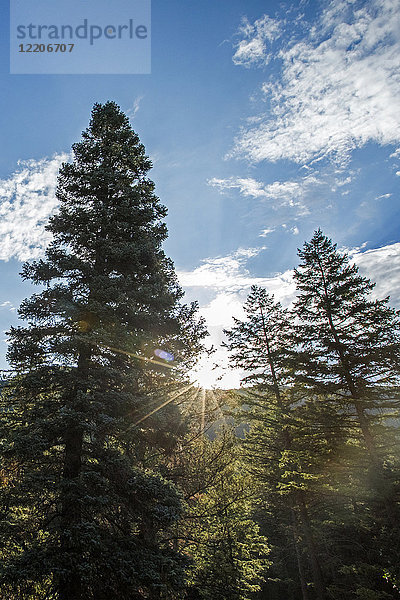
(349, 346)
(260, 345)
(85, 519)
(304, 452)
(275, 448)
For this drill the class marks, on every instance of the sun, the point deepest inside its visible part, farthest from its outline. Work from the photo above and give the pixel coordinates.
(213, 372)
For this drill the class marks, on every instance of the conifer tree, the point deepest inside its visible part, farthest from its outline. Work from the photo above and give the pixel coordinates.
(261, 345)
(349, 344)
(94, 363)
(304, 451)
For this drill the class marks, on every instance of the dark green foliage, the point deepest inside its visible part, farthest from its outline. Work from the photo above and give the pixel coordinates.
(85, 518)
(261, 344)
(283, 450)
(351, 342)
(322, 403)
(349, 345)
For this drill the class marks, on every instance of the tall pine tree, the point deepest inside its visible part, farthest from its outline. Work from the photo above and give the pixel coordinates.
(349, 346)
(84, 519)
(277, 455)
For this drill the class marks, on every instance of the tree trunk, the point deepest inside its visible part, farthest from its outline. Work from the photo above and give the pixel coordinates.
(303, 583)
(70, 587)
(70, 584)
(320, 591)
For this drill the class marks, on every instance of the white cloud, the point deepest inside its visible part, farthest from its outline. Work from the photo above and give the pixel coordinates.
(288, 193)
(8, 305)
(382, 266)
(342, 182)
(221, 310)
(252, 49)
(266, 232)
(338, 88)
(229, 281)
(246, 185)
(294, 230)
(27, 201)
(131, 112)
(229, 275)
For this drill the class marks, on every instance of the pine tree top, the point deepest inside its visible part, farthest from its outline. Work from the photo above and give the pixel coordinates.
(329, 271)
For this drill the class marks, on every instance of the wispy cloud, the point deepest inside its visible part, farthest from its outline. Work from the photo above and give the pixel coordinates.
(230, 275)
(27, 201)
(382, 265)
(284, 192)
(8, 306)
(131, 112)
(383, 196)
(338, 87)
(266, 232)
(246, 186)
(253, 48)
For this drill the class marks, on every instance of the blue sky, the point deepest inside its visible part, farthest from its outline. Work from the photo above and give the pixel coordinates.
(264, 121)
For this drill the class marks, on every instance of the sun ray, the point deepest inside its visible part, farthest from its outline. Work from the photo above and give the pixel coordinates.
(203, 408)
(193, 399)
(217, 404)
(162, 405)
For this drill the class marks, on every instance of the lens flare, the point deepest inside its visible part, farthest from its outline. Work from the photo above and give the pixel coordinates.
(164, 355)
